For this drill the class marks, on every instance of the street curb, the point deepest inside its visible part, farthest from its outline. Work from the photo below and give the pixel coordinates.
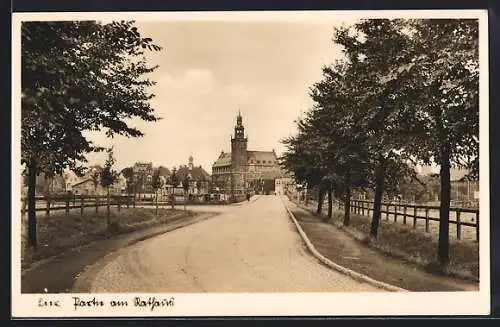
(351, 273)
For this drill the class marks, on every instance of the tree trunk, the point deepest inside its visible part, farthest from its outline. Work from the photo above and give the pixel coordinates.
(330, 203)
(32, 240)
(108, 208)
(135, 196)
(379, 189)
(156, 202)
(321, 198)
(347, 200)
(444, 207)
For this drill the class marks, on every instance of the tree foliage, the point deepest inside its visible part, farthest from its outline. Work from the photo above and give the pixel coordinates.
(157, 181)
(405, 93)
(108, 175)
(79, 76)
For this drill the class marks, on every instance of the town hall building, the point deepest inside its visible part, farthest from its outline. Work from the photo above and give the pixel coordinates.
(240, 171)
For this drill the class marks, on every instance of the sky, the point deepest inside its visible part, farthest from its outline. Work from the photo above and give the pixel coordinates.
(209, 71)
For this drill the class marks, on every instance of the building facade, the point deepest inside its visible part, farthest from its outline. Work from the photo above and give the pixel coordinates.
(143, 175)
(242, 171)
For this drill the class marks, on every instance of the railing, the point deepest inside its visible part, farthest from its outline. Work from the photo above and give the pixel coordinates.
(417, 212)
(66, 203)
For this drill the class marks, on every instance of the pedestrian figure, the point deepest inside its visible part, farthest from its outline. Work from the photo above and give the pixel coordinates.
(248, 196)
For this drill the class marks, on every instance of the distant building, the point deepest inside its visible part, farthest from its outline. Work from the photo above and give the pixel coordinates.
(199, 179)
(455, 173)
(283, 184)
(241, 171)
(50, 185)
(143, 175)
(87, 187)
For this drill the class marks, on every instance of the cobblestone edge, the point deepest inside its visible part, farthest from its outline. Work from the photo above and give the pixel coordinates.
(351, 273)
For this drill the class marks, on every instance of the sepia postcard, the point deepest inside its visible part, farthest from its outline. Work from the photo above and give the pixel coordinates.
(287, 163)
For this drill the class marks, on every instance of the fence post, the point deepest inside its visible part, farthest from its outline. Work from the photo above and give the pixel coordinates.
(96, 204)
(458, 224)
(82, 204)
(426, 220)
(386, 211)
(67, 205)
(118, 199)
(47, 209)
(404, 214)
(395, 213)
(477, 226)
(414, 216)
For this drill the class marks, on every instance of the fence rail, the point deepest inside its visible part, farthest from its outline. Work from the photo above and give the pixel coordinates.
(417, 212)
(65, 203)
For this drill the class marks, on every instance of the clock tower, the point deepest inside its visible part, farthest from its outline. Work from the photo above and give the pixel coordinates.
(238, 156)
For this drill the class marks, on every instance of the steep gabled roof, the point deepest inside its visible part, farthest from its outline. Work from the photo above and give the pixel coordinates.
(164, 171)
(197, 173)
(82, 182)
(223, 160)
(267, 157)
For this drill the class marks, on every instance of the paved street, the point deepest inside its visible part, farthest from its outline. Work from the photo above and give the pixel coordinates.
(252, 247)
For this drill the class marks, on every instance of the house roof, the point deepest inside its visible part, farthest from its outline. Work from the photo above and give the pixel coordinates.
(164, 171)
(268, 157)
(82, 181)
(197, 173)
(223, 160)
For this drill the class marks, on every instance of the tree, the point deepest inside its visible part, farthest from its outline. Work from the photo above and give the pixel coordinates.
(445, 75)
(185, 185)
(108, 177)
(78, 76)
(95, 175)
(174, 181)
(157, 184)
(374, 49)
(128, 173)
(338, 127)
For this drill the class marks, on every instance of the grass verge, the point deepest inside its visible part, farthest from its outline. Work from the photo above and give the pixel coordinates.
(58, 233)
(414, 246)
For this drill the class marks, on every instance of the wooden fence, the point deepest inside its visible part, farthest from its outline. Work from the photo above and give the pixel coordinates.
(67, 203)
(416, 212)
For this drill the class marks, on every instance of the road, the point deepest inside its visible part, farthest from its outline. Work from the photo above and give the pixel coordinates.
(253, 247)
